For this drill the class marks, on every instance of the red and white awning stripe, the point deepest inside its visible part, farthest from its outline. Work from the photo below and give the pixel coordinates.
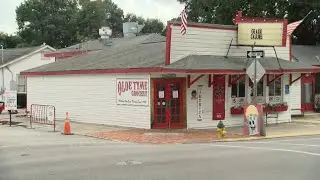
(184, 20)
(292, 26)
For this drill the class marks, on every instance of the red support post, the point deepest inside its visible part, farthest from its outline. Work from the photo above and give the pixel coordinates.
(272, 80)
(190, 82)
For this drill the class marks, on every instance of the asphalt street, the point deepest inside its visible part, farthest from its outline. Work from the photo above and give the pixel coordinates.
(30, 154)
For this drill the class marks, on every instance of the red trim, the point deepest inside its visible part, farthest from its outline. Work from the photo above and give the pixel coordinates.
(65, 54)
(206, 26)
(284, 33)
(239, 18)
(293, 81)
(168, 98)
(168, 44)
(161, 70)
(231, 82)
(213, 78)
(272, 80)
(190, 82)
(290, 48)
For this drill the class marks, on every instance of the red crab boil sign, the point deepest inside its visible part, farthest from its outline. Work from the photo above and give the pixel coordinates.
(134, 92)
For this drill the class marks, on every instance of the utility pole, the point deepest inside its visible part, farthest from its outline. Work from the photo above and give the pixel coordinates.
(255, 94)
(2, 72)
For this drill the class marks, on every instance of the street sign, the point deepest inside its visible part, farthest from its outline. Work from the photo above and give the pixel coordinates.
(10, 101)
(255, 54)
(260, 71)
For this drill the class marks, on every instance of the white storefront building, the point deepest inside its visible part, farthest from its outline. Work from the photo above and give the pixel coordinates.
(189, 81)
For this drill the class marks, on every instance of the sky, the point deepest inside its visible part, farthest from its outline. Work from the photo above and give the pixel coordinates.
(160, 9)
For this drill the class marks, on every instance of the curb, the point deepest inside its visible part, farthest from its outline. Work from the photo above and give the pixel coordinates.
(267, 137)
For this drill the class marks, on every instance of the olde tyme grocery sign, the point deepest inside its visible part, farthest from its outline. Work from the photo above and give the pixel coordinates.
(134, 92)
(261, 34)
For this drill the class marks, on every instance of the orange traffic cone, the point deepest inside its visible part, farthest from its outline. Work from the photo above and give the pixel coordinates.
(67, 128)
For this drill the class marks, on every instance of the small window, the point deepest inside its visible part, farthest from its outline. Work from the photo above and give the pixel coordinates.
(275, 89)
(22, 84)
(238, 88)
(259, 87)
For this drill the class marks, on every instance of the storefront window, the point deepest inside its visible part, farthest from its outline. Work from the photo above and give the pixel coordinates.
(275, 90)
(259, 88)
(275, 86)
(238, 87)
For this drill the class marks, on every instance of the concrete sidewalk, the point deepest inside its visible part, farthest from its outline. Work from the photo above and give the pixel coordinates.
(171, 136)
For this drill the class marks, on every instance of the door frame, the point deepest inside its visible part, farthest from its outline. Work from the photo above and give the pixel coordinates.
(182, 94)
(308, 79)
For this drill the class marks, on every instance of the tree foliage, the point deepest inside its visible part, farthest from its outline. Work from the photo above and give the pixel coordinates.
(222, 12)
(11, 41)
(61, 23)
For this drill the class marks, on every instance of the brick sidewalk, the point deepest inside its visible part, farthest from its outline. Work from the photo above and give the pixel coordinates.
(156, 136)
(162, 137)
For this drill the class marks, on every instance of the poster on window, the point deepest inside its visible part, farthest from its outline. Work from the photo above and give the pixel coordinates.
(132, 92)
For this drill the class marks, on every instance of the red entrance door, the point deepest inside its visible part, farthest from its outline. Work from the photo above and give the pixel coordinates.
(168, 103)
(307, 92)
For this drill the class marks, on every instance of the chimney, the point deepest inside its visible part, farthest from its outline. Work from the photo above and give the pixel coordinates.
(131, 29)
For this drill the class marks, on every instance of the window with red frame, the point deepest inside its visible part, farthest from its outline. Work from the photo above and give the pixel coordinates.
(238, 88)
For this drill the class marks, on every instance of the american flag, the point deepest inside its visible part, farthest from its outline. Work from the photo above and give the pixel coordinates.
(292, 26)
(184, 20)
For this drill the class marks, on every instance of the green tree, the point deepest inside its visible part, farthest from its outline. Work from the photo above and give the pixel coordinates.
(10, 41)
(222, 12)
(91, 17)
(49, 21)
(114, 18)
(153, 26)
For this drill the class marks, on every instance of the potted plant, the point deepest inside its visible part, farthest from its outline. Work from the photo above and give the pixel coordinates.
(280, 107)
(237, 110)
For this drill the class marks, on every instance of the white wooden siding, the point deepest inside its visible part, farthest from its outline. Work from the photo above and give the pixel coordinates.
(214, 42)
(230, 120)
(87, 98)
(295, 98)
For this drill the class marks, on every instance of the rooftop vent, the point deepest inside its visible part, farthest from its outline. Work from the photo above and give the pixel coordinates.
(131, 29)
(105, 33)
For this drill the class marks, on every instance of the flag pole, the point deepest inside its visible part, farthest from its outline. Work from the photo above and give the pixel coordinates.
(307, 15)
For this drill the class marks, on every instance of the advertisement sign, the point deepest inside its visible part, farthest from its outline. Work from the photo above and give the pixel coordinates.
(10, 100)
(199, 103)
(252, 119)
(219, 92)
(133, 92)
(261, 34)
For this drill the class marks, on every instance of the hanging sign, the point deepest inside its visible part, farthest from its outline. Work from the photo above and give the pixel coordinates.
(252, 119)
(199, 104)
(219, 97)
(134, 92)
(10, 100)
(262, 34)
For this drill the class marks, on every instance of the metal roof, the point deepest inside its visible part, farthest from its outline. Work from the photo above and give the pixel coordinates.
(99, 44)
(306, 54)
(137, 52)
(11, 54)
(199, 62)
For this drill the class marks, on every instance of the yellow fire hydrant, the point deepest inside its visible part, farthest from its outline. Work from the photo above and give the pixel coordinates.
(221, 130)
